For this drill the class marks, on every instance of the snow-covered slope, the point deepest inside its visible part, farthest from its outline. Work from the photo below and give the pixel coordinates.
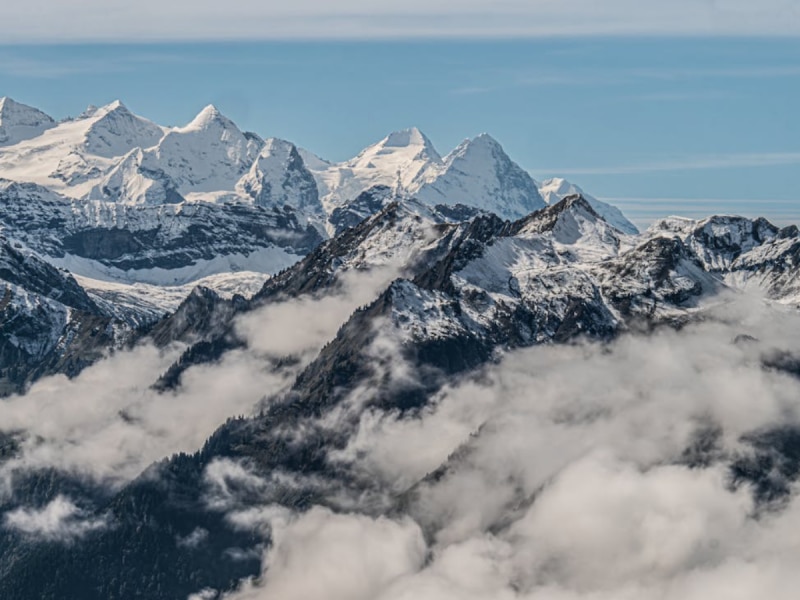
(560, 273)
(480, 174)
(109, 154)
(129, 205)
(20, 122)
(279, 177)
(400, 161)
(144, 303)
(48, 322)
(114, 131)
(73, 156)
(130, 183)
(210, 154)
(168, 244)
(747, 253)
(556, 189)
(404, 309)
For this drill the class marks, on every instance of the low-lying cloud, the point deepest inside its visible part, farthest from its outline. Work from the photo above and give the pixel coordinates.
(60, 521)
(337, 557)
(300, 326)
(571, 473)
(109, 424)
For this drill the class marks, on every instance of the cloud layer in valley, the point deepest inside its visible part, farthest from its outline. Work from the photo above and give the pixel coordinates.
(109, 424)
(59, 521)
(585, 472)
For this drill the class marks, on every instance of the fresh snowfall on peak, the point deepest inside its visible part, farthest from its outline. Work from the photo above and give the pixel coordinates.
(19, 122)
(109, 171)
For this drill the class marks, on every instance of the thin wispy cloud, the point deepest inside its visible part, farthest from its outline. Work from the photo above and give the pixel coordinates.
(471, 91)
(49, 20)
(644, 211)
(617, 76)
(696, 163)
(751, 72)
(508, 79)
(689, 96)
(16, 62)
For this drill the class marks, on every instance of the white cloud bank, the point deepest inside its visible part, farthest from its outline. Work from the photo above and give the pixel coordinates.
(693, 163)
(338, 557)
(567, 480)
(109, 424)
(60, 521)
(55, 20)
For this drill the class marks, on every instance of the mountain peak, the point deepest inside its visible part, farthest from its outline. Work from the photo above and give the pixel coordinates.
(411, 143)
(556, 189)
(479, 174)
(207, 117)
(18, 112)
(558, 185)
(405, 138)
(210, 154)
(574, 202)
(274, 145)
(112, 106)
(93, 111)
(480, 144)
(279, 178)
(484, 139)
(568, 220)
(211, 110)
(21, 122)
(8, 104)
(114, 131)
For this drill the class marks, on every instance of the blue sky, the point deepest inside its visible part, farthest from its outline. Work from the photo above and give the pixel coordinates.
(659, 124)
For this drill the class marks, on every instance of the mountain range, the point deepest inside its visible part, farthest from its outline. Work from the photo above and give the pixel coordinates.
(209, 338)
(140, 213)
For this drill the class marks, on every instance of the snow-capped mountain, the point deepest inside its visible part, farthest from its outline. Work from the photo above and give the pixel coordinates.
(207, 156)
(122, 201)
(108, 160)
(279, 177)
(74, 154)
(556, 189)
(402, 161)
(49, 323)
(478, 174)
(129, 182)
(168, 244)
(562, 271)
(111, 154)
(210, 154)
(113, 131)
(19, 122)
(746, 253)
(131, 208)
